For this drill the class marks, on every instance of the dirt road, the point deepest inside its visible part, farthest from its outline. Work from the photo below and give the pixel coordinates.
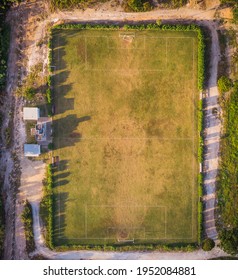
(35, 30)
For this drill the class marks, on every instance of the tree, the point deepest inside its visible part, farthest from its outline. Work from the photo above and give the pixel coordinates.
(208, 244)
(229, 240)
(29, 93)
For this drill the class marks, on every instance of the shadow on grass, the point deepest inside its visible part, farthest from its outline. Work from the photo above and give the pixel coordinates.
(60, 204)
(65, 131)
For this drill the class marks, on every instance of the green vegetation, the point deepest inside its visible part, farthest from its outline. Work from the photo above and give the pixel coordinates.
(208, 244)
(70, 4)
(235, 13)
(137, 5)
(29, 93)
(123, 248)
(109, 148)
(224, 84)
(4, 43)
(8, 136)
(27, 220)
(1, 223)
(47, 206)
(228, 176)
(129, 5)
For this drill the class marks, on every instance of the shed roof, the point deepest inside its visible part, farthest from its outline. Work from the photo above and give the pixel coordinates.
(31, 113)
(31, 150)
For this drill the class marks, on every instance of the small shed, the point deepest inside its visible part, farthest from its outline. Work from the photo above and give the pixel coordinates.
(31, 113)
(31, 150)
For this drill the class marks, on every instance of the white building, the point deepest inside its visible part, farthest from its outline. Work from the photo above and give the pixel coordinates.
(32, 150)
(31, 113)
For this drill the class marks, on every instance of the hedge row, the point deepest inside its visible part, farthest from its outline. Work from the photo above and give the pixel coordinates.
(152, 26)
(27, 220)
(49, 81)
(47, 205)
(125, 248)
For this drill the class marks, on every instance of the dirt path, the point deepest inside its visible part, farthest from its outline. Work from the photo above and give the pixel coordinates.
(31, 187)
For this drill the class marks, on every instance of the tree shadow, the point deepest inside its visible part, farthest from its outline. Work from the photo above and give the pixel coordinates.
(66, 131)
(60, 75)
(60, 202)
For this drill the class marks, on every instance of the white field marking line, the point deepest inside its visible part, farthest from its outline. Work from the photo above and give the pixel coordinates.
(135, 70)
(85, 53)
(104, 238)
(121, 35)
(129, 138)
(143, 138)
(86, 221)
(169, 37)
(165, 222)
(166, 45)
(125, 206)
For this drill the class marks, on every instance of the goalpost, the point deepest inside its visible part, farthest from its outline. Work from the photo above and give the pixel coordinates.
(128, 37)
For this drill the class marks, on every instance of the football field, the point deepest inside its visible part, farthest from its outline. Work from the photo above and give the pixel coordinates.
(126, 134)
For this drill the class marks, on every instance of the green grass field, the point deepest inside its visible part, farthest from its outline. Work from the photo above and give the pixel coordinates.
(125, 131)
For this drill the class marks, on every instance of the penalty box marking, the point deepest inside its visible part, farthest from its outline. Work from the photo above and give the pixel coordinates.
(144, 44)
(122, 206)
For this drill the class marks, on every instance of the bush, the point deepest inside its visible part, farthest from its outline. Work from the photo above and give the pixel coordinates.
(224, 84)
(208, 244)
(27, 220)
(229, 240)
(50, 146)
(29, 93)
(47, 206)
(235, 14)
(48, 96)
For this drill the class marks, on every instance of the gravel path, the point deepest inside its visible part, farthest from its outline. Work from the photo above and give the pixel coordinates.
(211, 140)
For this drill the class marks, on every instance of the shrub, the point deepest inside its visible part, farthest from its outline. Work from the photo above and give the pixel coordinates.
(224, 84)
(229, 240)
(235, 14)
(29, 93)
(48, 96)
(208, 244)
(50, 146)
(47, 206)
(27, 220)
